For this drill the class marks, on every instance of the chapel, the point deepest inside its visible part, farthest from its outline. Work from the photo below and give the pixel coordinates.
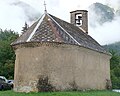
(55, 55)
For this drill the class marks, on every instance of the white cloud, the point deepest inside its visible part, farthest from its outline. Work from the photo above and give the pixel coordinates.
(10, 16)
(13, 17)
(107, 33)
(114, 3)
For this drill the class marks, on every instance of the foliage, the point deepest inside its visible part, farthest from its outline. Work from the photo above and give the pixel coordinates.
(114, 63)
(7, 55)
(86, 93)
(115, 69)
(115, 60)
(44, 85)
(74, 86)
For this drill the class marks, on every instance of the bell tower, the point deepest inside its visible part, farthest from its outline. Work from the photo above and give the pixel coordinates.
(80, 18)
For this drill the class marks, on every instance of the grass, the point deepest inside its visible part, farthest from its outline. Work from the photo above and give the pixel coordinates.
(87, 93)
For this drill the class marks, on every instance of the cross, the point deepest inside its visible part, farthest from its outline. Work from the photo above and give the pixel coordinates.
(45, 6)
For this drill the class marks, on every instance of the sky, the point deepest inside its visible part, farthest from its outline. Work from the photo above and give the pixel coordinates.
(14, 13)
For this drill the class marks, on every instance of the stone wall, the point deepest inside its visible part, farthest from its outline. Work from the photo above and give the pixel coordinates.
(66, 66)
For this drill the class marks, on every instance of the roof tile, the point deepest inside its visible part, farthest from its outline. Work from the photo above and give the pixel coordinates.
(53, 29)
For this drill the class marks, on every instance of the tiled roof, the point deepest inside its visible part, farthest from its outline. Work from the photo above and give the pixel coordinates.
(52, 29)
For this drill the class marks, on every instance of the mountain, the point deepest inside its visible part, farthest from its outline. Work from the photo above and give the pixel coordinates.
(100, 13)
(113, 46)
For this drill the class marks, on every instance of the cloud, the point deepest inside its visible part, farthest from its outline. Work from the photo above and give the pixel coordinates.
(15, 12)
(10, 16)
(114, 4)
(30, 13)
(106, 33)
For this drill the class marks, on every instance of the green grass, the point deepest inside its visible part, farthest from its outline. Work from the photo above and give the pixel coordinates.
(88, 93)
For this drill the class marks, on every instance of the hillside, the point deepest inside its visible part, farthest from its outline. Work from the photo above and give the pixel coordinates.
(113, 46)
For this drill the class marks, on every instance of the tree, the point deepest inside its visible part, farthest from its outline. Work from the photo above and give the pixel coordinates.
(115, 69)
(115, 60)
(7, 55)
(25, 28)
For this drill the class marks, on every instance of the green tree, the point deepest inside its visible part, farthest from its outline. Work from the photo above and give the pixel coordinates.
(115, 60)
(115, 69)
(7, 55)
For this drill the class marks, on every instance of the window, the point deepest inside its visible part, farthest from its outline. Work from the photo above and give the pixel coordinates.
(78, 19)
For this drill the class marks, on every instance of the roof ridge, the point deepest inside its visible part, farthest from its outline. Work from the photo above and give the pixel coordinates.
(82, 29)
(64, 30)
(41, 19)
